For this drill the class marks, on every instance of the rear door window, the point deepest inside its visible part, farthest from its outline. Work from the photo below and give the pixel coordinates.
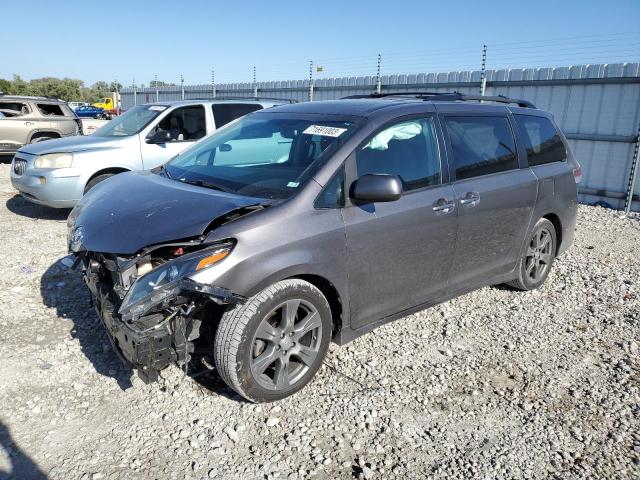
(481, 145)
(13, 109)
(224, 113)
(408, 149)
(541, 139)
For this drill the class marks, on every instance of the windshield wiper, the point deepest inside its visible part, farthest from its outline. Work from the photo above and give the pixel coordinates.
(164, 170)
(205, 184)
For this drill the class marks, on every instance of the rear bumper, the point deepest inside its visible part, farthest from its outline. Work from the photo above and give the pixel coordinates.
(9, 148)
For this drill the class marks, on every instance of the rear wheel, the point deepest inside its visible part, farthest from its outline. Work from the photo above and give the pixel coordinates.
(271, 346)
(537, 259)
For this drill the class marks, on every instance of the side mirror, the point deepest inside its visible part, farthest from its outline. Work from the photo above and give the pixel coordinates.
(225, 147)
(376, 188)
(160, 136)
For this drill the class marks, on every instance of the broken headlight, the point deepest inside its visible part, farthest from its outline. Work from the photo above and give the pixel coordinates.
(164, 281)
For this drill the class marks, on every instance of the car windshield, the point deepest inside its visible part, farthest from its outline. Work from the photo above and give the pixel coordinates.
(131, 122)
(262, 155)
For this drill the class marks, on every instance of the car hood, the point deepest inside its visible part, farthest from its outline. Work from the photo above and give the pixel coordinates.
(76, 143)
(133, 210)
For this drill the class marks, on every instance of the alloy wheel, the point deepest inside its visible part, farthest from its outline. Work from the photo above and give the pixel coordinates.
(539, 254)
(286, 344)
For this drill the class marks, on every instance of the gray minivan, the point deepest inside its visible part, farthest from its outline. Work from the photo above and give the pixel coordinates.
(313, 222)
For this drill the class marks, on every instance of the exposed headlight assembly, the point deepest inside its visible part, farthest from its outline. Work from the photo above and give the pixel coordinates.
(167, 280)
(53, 160)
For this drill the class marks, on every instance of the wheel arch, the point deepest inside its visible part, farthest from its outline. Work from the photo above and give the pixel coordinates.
(328, 288)
(106, 171)
(332, 295)
(44, 133)
(557, 224)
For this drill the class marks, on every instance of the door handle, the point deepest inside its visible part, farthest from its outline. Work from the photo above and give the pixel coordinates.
(443, 206)
(28, 124)
(470, 199)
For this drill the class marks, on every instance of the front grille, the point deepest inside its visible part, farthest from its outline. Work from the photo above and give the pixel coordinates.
(19, 166)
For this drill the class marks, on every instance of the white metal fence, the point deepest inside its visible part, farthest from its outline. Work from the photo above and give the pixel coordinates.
(597, 106)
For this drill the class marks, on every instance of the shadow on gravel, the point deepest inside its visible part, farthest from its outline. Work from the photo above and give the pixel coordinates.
(211, 384)
(6, 158)
(64, 290)
(20, 206)
(22, 466)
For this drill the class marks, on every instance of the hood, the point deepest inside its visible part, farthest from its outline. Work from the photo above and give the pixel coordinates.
(76, 143)
(133, 210)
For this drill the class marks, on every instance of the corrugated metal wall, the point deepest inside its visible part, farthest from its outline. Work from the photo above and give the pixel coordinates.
(597, 106)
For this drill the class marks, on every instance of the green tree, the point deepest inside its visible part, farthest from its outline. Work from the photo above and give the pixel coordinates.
(5, 86)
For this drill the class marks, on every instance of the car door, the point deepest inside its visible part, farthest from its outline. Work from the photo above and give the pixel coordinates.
(495, 197)
(399, 253)
(183, 126)
(16, 125)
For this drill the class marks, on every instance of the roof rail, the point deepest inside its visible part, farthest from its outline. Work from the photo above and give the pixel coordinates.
(449, 97)
(288, 100)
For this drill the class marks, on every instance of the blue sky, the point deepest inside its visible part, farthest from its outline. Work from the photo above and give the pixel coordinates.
(128, 40)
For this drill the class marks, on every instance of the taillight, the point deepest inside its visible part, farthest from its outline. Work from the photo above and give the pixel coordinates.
(577, 174)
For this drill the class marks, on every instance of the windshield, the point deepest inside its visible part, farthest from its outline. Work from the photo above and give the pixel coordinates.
(262, 155)
(131, 122)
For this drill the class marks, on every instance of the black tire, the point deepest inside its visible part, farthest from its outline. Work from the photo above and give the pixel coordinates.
(241, 348)
(96, 180)
(538, 256)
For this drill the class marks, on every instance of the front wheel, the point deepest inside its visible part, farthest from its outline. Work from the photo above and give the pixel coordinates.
(271, 346)
(536, 261)
(96, 180)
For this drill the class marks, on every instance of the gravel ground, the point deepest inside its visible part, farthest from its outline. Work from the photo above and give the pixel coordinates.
(494, 384)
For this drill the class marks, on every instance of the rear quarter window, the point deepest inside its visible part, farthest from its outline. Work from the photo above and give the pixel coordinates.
(50, 110)
(541, 139)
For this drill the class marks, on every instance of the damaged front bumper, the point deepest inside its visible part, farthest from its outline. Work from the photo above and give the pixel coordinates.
(157, 330)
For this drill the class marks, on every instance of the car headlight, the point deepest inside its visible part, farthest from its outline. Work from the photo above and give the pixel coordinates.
(164, 281)
(53, 160)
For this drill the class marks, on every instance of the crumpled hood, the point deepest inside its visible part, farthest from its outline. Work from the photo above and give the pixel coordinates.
(133, 210)
(78, 143)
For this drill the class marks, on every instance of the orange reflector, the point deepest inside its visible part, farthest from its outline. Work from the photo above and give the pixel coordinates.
(211, 259)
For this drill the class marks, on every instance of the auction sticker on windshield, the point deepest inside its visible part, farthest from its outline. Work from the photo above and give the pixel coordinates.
(324, 131)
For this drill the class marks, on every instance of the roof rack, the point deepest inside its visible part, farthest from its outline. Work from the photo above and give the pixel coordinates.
(449, 97)
(288, 100)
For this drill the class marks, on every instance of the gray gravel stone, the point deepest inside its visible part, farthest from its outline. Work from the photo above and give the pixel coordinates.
(493, 384)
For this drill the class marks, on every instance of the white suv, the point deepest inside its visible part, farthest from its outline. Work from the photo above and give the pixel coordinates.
(57, 173)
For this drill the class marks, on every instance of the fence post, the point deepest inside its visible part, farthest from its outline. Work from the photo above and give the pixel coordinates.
(213, 83)
(255, 83)
(483, 76)
(182, 86)
(378, 76)
(632, 176)
(311, 80)
(116, 98)
(157, 89)
(135, 93)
